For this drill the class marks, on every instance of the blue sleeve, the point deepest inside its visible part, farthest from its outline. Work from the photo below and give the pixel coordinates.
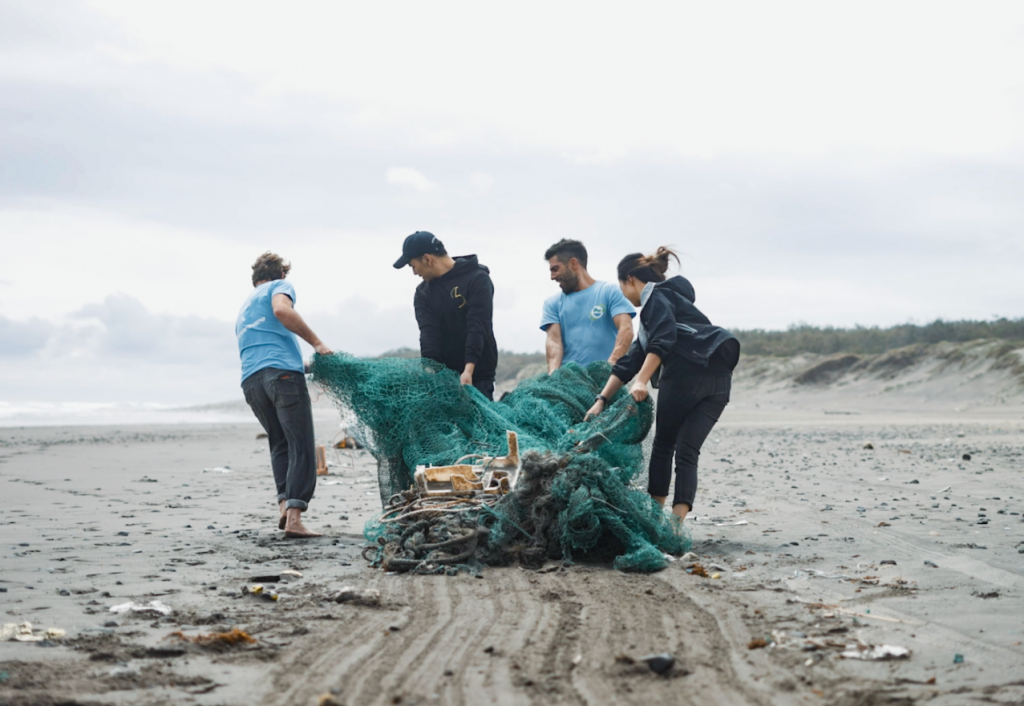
(550, 314)
(617, 302)
(283, 287)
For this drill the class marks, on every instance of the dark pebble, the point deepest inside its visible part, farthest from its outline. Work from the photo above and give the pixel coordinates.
(659, 663)
(110, 624)
(122, 534)
(966, 457)
(888, 561)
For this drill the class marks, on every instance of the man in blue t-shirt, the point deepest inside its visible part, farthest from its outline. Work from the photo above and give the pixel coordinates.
(274, 383)
(589, 320)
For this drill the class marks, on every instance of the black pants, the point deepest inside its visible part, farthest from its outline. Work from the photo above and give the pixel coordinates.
(280, 401)
(486, 387)
(688, 408)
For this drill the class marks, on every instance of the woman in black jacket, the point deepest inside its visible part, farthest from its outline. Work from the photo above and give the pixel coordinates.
(695, 360)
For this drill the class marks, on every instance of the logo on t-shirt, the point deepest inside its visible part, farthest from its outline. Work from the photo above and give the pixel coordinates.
(597, 312)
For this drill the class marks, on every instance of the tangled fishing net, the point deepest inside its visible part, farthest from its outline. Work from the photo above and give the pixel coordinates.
(573, 501)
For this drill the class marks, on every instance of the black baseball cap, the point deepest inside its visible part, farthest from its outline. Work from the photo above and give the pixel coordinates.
(418, 244)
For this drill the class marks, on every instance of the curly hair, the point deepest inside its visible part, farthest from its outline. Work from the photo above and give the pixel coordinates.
(269, 266)
(646, 268)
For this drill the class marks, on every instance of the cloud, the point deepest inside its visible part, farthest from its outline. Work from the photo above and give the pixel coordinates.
(362, 327)
(409, 177)
(126, 329)
(23, 338)
(116, 351)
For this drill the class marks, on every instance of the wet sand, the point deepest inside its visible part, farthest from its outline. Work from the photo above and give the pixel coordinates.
(793, 513)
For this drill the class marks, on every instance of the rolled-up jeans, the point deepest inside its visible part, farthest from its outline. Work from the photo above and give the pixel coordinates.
(280, 401)
(688, 408)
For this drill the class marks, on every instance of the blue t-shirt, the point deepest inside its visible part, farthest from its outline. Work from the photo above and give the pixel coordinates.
(263, 341)
(588, 331)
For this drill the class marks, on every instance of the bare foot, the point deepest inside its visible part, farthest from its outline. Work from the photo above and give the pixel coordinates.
(293, 528)
(281, 521)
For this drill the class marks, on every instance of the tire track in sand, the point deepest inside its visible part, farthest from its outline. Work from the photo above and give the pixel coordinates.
(519, 637)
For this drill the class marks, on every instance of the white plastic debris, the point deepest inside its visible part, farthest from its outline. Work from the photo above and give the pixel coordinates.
(23, 632)
(151, 607)
(291, 572)
(218, 469)
(804, 574)
(876, 652)
(730, 524)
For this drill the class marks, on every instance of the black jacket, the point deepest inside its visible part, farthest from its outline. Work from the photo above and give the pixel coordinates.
(680, 335)
(454, 312)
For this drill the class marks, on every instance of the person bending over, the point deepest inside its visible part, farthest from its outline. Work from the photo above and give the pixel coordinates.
(589, 320)
(696, 361)
(275, 386)
(454, 309)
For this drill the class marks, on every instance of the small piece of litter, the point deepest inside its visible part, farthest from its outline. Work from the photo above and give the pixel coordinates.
(218, 469)
(348, 594)
(218, 639)
(931, 564)
(730, 524)
(958, 659)
(151, 607)
(877, 653)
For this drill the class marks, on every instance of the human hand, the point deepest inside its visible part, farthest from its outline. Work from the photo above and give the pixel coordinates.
(595, 410)
(466, 378)
(321, 349)
(638, 390)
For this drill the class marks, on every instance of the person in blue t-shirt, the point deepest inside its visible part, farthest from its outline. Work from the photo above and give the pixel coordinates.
(589, 320)
(274, 384)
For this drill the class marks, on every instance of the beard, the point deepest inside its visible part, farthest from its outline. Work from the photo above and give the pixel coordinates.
(568, 282)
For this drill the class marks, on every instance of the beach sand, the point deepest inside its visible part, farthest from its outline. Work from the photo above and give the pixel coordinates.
(793, 513)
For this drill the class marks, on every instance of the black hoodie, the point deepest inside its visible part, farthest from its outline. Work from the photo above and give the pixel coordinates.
(454, 312)
(680, 335)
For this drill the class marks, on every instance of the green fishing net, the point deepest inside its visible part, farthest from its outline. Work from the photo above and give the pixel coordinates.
(577, 497)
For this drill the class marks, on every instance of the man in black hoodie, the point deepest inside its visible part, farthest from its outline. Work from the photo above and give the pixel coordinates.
(454, 308)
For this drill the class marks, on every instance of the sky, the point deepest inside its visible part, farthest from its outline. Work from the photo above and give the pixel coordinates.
(824, 163)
